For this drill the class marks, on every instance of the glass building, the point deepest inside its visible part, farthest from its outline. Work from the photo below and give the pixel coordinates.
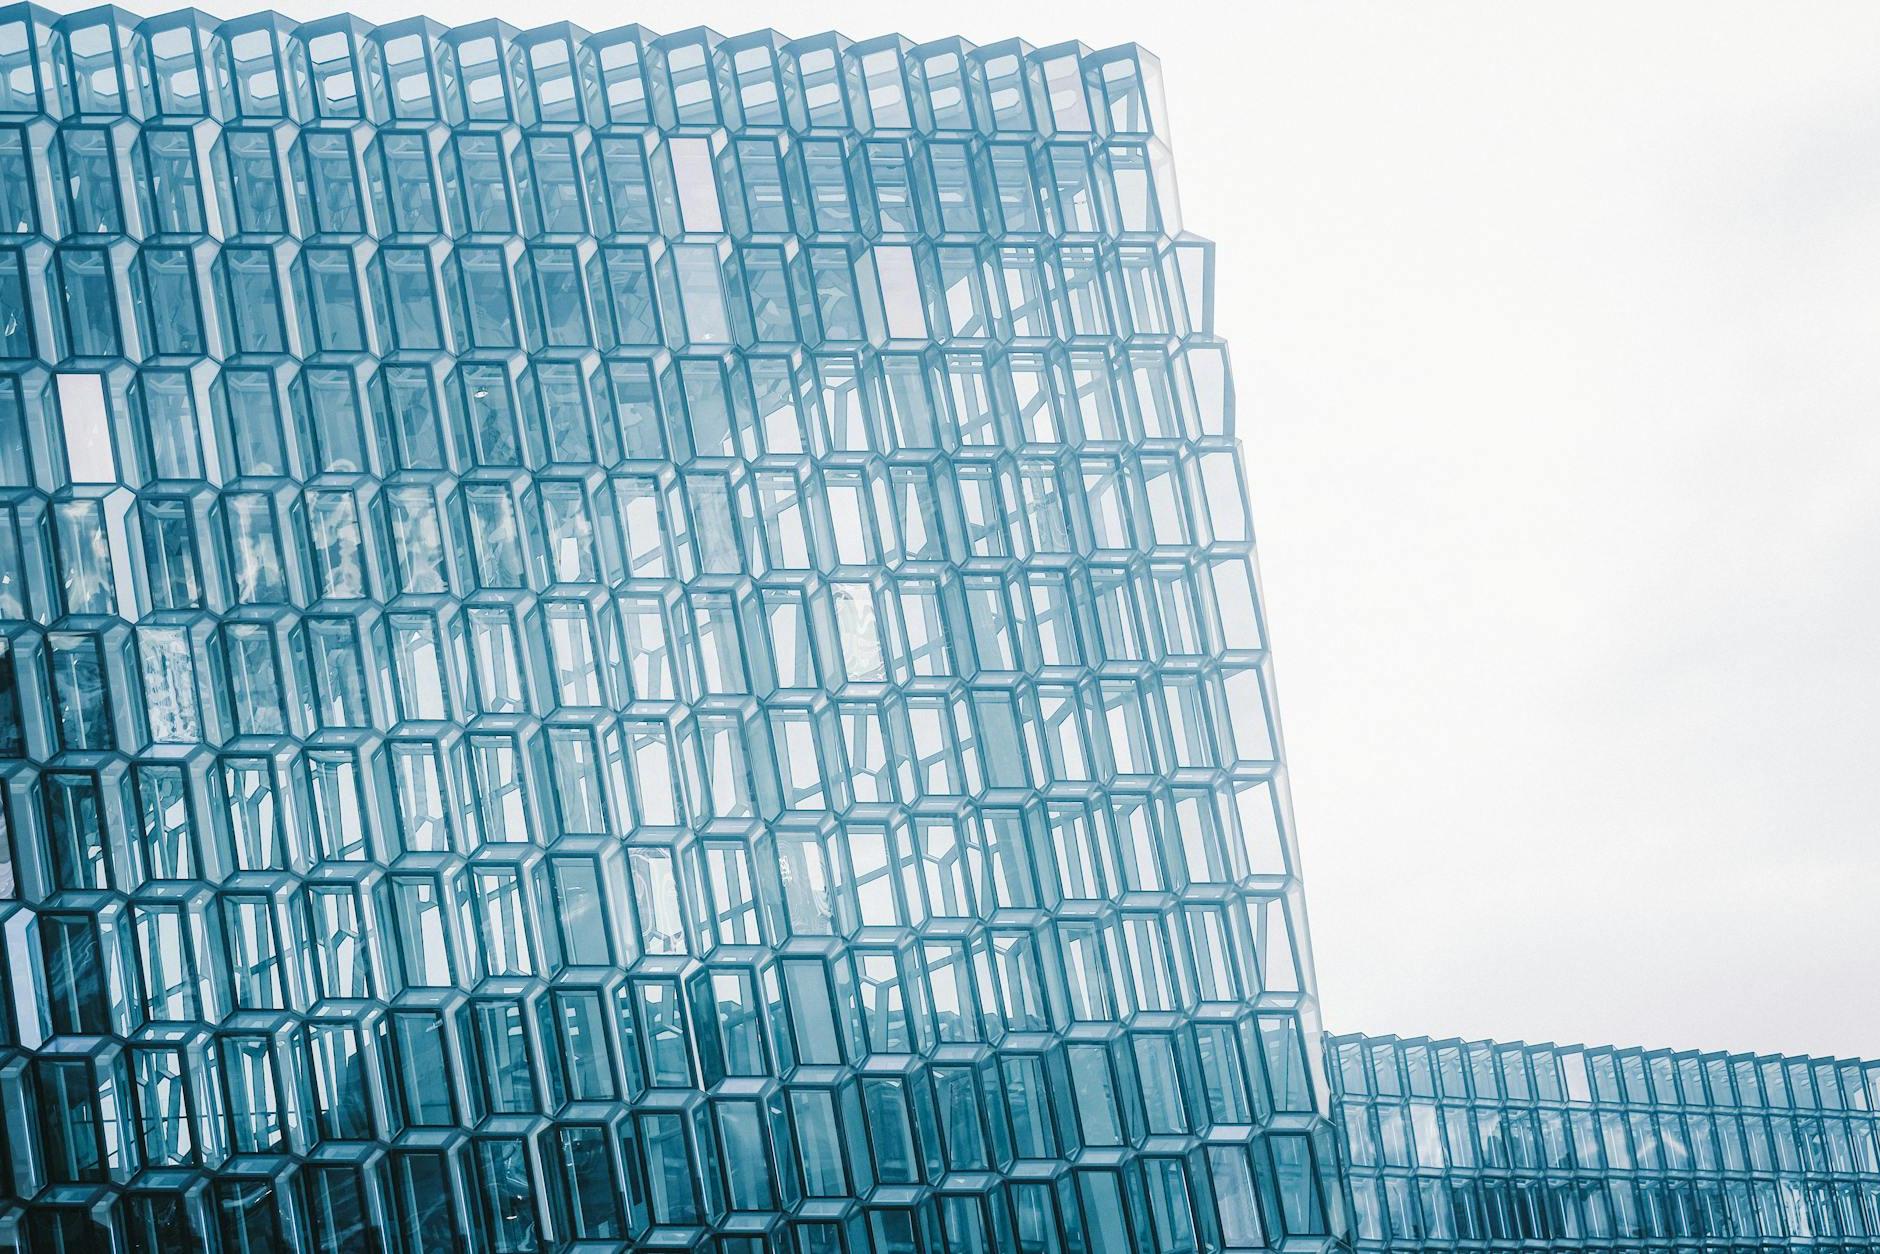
(1456, 1145)
(614, 641)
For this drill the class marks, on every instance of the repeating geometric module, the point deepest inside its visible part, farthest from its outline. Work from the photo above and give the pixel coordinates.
(1473, 1145)
(613, 641)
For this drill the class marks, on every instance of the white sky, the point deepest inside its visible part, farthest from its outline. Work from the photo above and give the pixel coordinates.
(1556, 330)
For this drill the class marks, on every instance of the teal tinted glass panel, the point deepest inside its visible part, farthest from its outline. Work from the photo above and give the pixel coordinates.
(625, 641)
(1455, 1144)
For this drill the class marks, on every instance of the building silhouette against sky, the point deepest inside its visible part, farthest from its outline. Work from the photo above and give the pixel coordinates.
(626, 641)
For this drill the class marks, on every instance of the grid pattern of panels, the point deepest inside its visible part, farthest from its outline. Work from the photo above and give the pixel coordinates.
(1478, 1144)
(623, 640)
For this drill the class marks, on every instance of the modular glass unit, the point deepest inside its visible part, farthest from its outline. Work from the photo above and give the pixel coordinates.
(613, 640)
(1485, 1145)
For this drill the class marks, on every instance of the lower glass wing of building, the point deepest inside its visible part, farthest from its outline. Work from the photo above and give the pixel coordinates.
(1454, 1144)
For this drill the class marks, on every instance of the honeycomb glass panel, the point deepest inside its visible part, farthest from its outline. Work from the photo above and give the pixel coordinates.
(618, 641)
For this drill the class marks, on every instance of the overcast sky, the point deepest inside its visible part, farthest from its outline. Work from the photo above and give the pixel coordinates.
(1557, 334)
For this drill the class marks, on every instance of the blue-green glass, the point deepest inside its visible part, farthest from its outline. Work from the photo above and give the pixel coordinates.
(614, 641)
(1454, 1144)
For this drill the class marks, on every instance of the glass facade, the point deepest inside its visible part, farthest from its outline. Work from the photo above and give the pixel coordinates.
(626, 641)
(1481, 1145)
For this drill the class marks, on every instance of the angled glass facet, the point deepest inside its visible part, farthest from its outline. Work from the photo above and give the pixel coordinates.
(628, 641)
